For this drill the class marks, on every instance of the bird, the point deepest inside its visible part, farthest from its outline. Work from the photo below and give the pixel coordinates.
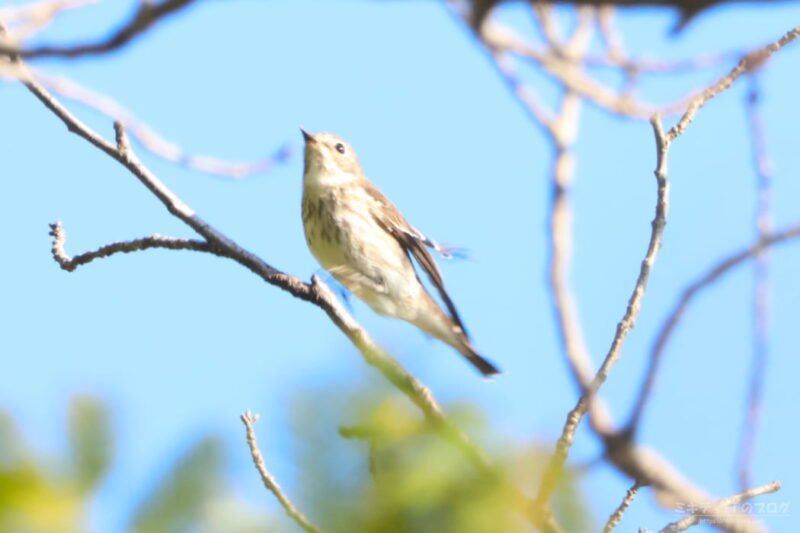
(366, 244)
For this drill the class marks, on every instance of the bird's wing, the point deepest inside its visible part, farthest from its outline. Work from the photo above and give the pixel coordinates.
(412, 241)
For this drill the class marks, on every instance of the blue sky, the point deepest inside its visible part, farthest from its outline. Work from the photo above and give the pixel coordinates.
(181, 343)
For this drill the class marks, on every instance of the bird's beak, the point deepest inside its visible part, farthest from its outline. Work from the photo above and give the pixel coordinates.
(307, 136)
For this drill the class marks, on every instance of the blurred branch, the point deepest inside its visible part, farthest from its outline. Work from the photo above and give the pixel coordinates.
(671, 489)
(763, 222)
(616, 516)
(23, 20)
(154, 241)
(147, 14)
(561, 129)
(150, 139)
(479, 10)
(686, 297)
(568, 73)
(568, 69)
(27, 19)
(503, 43)
(248, 419)
(616, 57)
(711, 511)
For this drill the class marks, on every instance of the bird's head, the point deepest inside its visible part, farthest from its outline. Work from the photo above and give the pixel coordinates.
(329, 160)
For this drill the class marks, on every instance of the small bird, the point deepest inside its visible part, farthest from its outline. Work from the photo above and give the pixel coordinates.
(358, 236)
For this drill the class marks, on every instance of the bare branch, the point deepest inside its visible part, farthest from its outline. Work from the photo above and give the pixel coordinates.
(147, 14)
(714, 509)
(685, 299)
(671, 489)
(566, 71)
(248, 419)
(523, 93)
(548, 25)
(150, 139)
(748, 63)
(616, 516)
(25, 20)
(154, 241)
(556, 463)
(500, 39)
(479, 10)
(663, 141)
(763, 223)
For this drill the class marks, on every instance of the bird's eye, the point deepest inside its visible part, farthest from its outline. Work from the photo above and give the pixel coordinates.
(340, 148)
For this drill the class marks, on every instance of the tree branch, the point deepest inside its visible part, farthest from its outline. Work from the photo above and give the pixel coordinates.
(712, 510)
(763, 223)
(559, 457)
(248, 419)
(686, 298)
(616, 516)
(748, 63)
(154, 241)
(147, 14)
(25, 20)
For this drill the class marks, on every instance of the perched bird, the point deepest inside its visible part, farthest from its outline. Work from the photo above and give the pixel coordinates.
(358, 236)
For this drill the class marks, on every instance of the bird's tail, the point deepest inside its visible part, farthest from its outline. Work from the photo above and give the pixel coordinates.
(438, 324)
(484, 366)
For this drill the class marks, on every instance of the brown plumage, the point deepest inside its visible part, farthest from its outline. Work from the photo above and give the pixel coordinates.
(361, 238)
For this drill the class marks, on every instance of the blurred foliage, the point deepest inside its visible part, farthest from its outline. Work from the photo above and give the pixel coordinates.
(38, 497)
(53, 496)
(178, 499)
(367, 462)
(392, 473)
(90, 441)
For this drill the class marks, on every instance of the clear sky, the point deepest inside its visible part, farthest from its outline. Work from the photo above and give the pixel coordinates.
(181, 343)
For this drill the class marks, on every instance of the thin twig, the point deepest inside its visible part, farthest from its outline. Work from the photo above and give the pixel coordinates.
(559, 251)
(556, 464)
(154, 241)
(548, 26)
(748, 63)
(709, 512)
(616, 516)
(566, 71)
(147, 14)
(248, 419)
(686, 297)
(671, 489)
(763, 223)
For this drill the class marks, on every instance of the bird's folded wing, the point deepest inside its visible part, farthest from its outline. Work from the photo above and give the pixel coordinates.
(413, 242)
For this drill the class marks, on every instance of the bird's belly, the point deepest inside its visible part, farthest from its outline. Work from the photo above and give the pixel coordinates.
(367, 261)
